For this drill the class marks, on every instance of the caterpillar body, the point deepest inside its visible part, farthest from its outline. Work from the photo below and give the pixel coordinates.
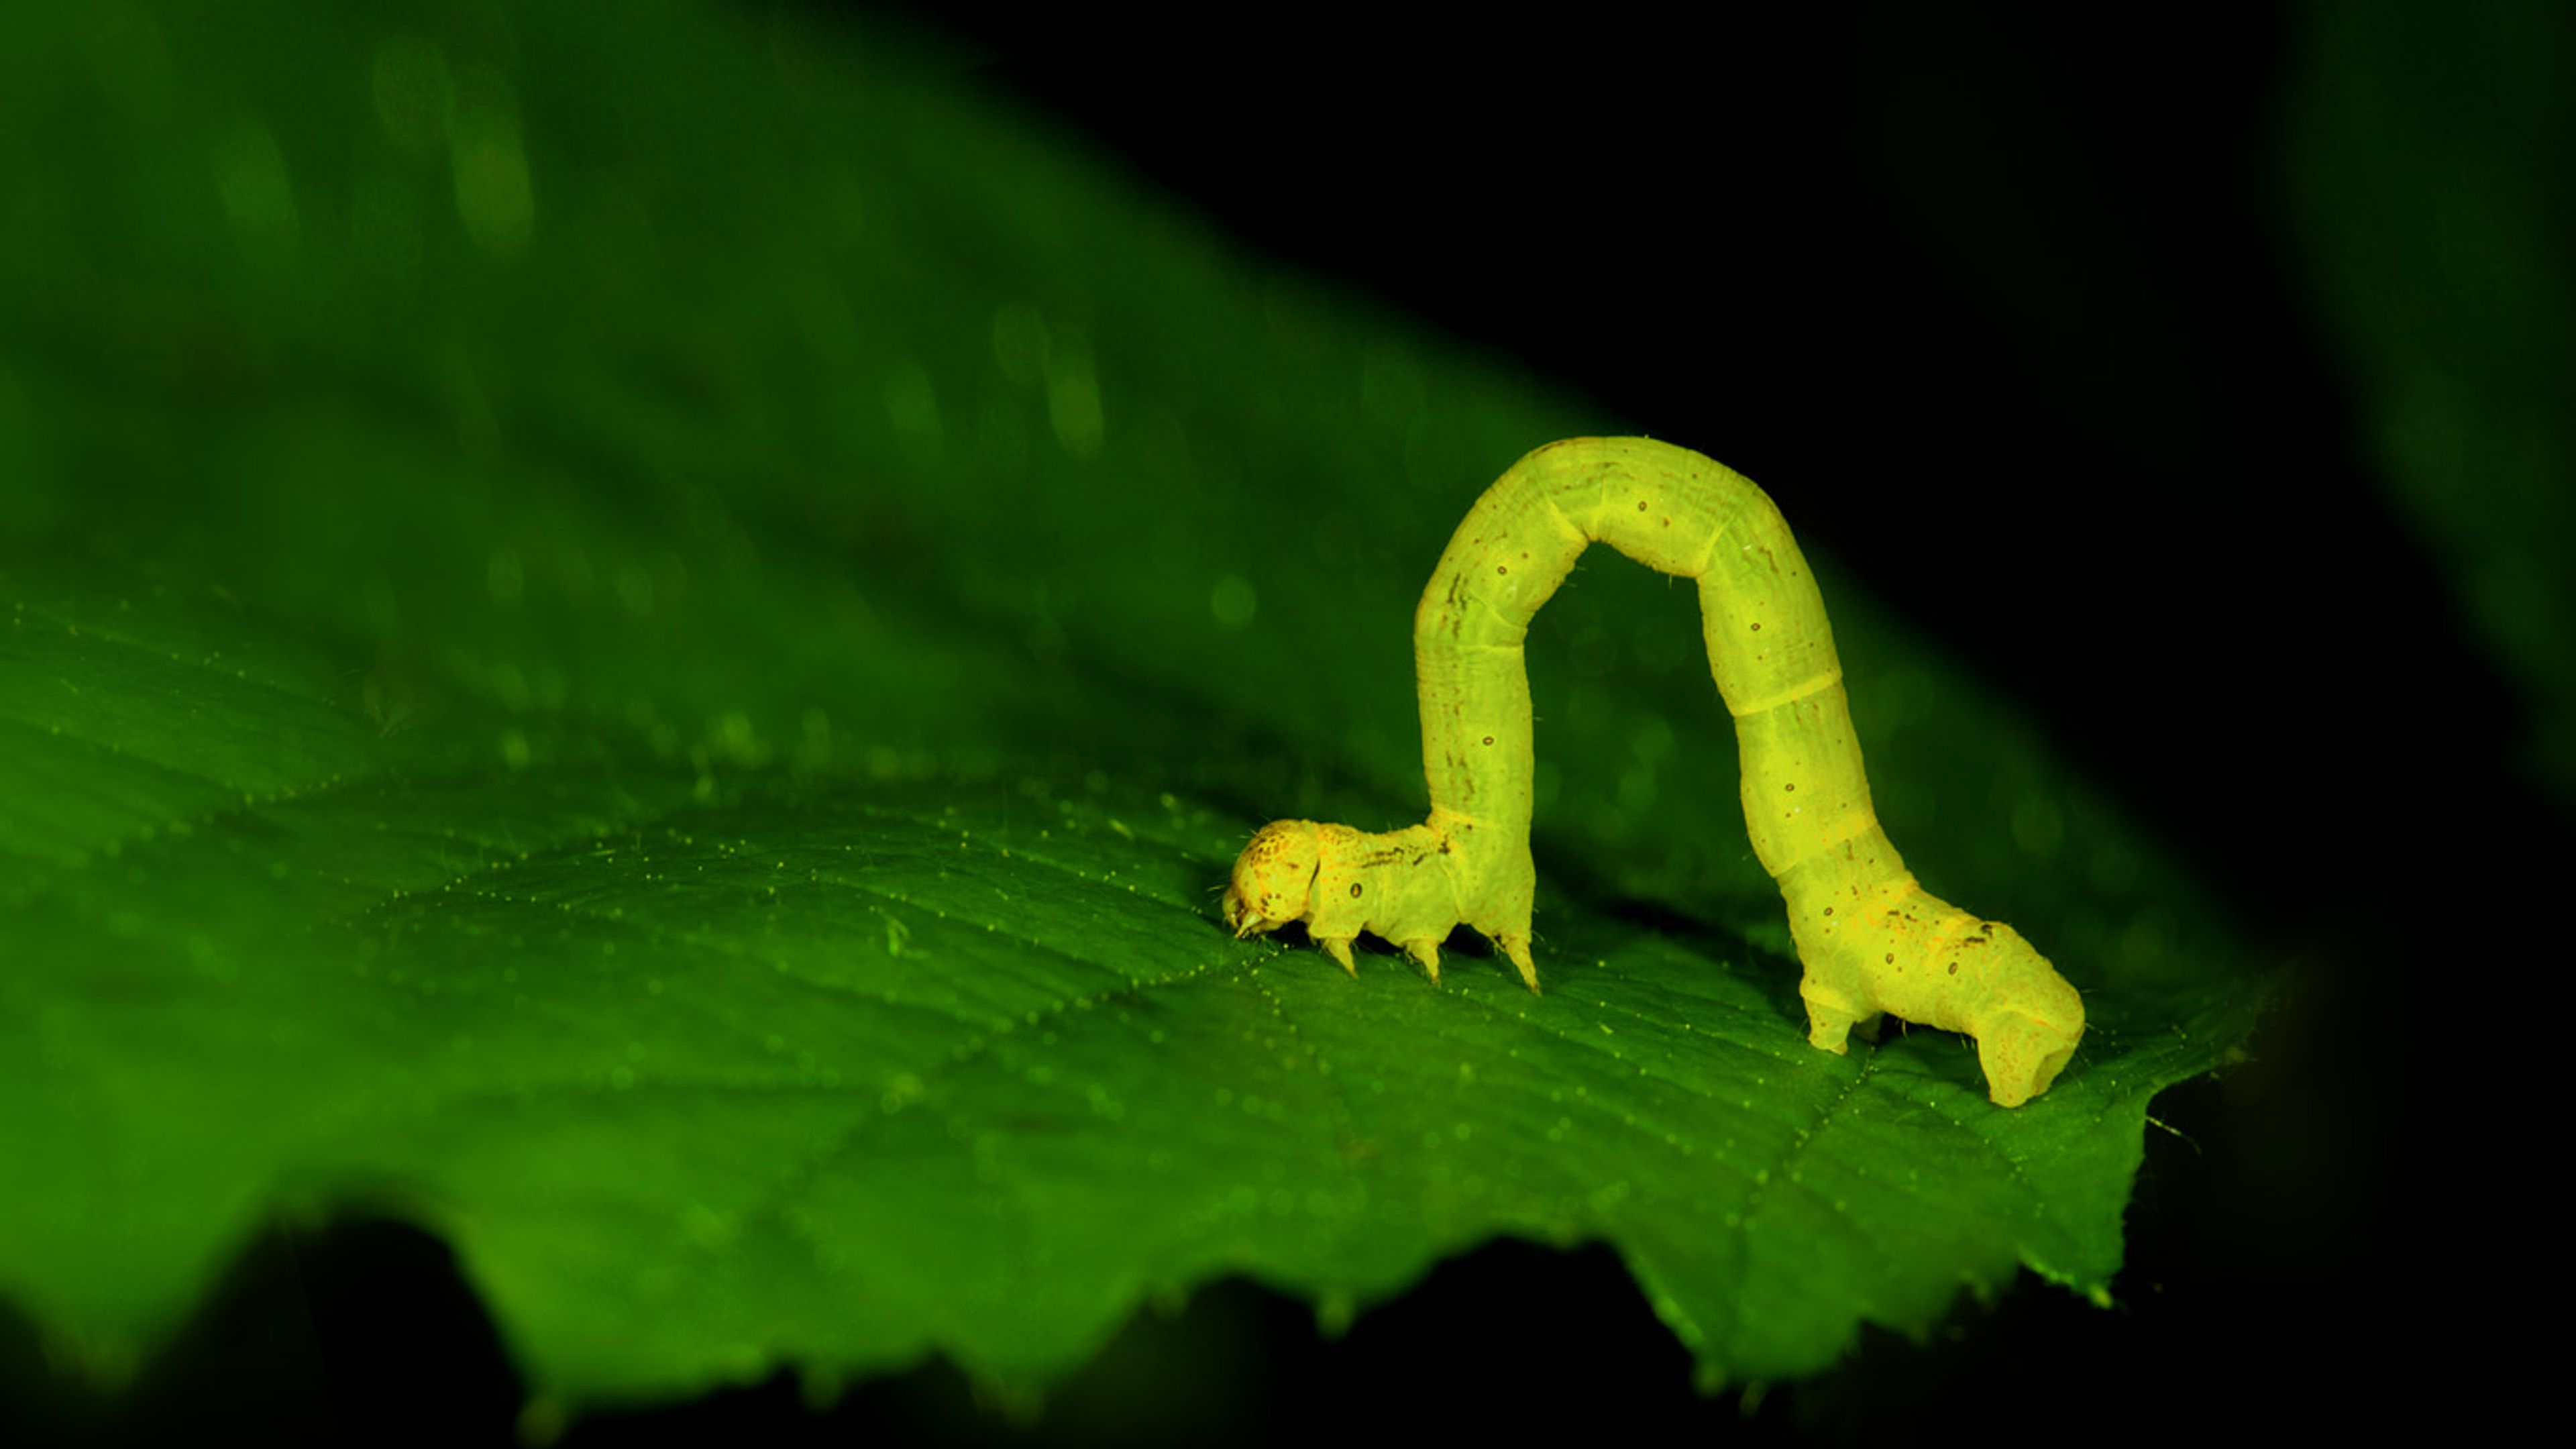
(1871, 939)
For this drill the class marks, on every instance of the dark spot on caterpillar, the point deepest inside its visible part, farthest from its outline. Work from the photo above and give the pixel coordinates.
(1829, 910)
(1788, 787)
(1641, 505)
(1502, 568)
(1489, 739)
(1355, 891)
(1954, 968)
(1891, 956)
(1757, 628)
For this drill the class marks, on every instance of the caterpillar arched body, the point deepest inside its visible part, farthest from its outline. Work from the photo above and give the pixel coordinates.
(1872, 940)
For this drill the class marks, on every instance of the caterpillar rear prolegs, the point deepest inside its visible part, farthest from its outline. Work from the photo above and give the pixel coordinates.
(1872, 940)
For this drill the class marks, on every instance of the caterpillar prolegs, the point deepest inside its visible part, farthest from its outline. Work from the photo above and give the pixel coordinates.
(1873, 941)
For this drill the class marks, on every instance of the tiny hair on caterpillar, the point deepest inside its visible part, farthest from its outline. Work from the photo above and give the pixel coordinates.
(1872, 941)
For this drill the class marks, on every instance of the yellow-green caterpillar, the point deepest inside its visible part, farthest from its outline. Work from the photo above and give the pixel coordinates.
(1873, 940)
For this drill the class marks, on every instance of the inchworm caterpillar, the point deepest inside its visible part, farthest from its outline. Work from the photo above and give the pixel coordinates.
(1873, 941)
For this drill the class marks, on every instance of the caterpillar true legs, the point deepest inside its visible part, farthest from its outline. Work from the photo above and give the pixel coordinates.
(1873, 940)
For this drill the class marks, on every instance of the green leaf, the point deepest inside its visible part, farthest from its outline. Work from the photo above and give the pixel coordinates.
(664, 689)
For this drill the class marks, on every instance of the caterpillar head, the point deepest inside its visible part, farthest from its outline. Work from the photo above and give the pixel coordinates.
(1274, 877)
(2027, 1029)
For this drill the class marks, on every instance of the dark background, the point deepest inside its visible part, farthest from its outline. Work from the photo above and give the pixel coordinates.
(2008, 311)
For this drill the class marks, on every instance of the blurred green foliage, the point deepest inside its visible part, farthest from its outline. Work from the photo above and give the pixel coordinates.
(2431, 158)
